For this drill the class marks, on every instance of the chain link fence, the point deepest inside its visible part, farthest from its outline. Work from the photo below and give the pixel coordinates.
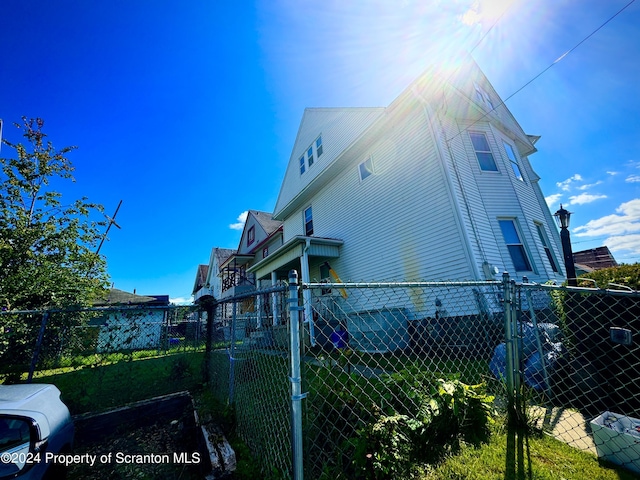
(105, 357)
(371, 353)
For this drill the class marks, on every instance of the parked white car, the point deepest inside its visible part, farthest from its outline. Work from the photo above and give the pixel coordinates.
(35, 427)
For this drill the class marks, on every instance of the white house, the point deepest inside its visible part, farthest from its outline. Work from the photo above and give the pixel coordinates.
(436, 186)
(135, 321)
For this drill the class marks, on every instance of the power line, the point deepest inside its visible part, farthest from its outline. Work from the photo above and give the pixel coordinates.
(557, 60)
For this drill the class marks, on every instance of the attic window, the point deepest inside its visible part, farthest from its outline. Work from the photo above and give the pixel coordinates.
(251, 235)
(365, 169)
(302, 165)
(319, 146)
(483, 152)
(310, 156)
(483, 96)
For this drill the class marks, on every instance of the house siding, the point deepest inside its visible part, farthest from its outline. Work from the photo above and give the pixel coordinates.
(382, 219)
(339, 127)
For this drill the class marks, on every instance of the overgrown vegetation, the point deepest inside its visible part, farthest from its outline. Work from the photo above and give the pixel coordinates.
(48, 245)
(393, 426)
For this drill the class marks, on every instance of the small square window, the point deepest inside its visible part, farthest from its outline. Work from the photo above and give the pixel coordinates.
(365, 168)
(483, 152)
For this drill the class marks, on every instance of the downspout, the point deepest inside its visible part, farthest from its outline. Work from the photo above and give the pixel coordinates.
(435, 137)
(306, 293)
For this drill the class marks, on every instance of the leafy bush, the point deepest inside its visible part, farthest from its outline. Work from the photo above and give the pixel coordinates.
(627, 275)
(388, 427)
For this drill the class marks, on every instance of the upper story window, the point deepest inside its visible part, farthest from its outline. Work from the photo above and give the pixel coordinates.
(251, 235)
(302, 166)
(365, 168)
(319, 146)
(308, 222)
(265, 252)
(483, 152)
(483, 96)
(515, 246)
(545, 245)
(514, 161)
(310, 156)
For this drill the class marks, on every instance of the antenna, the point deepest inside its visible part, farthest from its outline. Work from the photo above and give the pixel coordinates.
(112, 221)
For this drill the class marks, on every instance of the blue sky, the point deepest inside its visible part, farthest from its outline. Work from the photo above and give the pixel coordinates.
(187, 110)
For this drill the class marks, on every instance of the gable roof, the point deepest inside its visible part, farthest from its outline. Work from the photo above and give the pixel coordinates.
(266, 221)
(218, 257)
(266, 226)
(201, 277)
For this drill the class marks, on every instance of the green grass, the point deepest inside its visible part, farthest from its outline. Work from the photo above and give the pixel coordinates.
(537, 457)
(95, 387)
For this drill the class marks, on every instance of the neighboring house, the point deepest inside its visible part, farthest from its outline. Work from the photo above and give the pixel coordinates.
(261, 234)
(200, 286)
(593, 259)
(436, 186)
(136, 324)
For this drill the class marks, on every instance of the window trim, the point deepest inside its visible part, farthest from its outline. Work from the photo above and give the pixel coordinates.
(518, 246)
(308, 231)
(310, 157)
(251, 235)
(302, 165)
(489, 151)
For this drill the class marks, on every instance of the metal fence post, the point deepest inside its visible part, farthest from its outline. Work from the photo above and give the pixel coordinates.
(507, 291)
(232, 348)
(36, 352)
(296, 386)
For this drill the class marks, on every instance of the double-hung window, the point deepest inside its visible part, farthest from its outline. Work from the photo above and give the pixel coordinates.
(483, 152)
(302, 166)
(308, 222)
(514, 161)
(545, 246)
(319, 146)
(515, 246)
(310, 156)
(251, 235)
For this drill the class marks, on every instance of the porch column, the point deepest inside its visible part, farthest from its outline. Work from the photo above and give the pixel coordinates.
(258, 307)
(274, 300)
(306, 293)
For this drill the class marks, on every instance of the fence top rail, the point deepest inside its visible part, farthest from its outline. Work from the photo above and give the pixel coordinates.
(401, 284)
(98, 309)
(593, 290)
(253, 293)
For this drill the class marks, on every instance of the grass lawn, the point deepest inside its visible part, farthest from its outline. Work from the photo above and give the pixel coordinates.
(540, 457)
(96, 387)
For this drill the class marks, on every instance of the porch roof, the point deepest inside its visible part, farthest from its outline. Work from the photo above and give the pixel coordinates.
(286, 256)
(236, 259)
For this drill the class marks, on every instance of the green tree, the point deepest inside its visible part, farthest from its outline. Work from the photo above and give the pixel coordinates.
(47, 247)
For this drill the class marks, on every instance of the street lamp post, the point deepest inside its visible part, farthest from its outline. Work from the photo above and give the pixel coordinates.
(563, 216)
